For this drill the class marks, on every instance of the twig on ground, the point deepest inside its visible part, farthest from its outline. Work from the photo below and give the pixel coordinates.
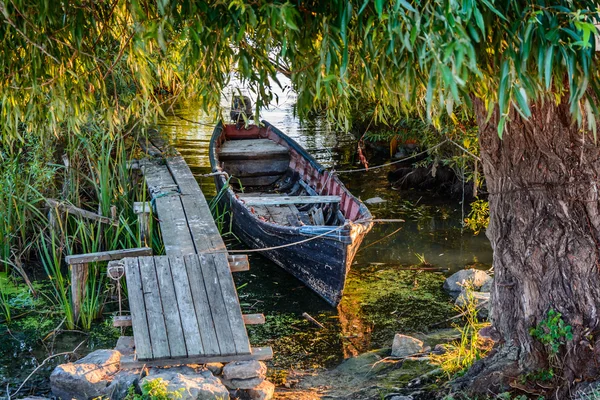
(9, 394)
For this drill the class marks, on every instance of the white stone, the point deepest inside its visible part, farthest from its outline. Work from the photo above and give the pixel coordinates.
(406, 346)
(244, 370)
(456, 282)
(243, 383)
(487, 286)
(375, 200)
(86, 378)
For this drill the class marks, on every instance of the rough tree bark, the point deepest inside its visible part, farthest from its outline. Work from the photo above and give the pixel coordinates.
(543, 179)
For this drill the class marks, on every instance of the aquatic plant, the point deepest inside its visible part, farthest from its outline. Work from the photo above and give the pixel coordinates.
(51, 257)
(221, 212)
(461, 354)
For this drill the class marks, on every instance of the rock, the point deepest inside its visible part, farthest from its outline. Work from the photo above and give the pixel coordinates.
(489, 333)
(455, 282)
(34, 398)
(125, 345)
(87, 378)
(197, 386)
(406, 346)
(240, 370)
(180, 369)
(216, 368)
(264, 391)
(243, 383)
(375, 200)
(399, 397)
(118, 388)
(487, 286)
(439, 349)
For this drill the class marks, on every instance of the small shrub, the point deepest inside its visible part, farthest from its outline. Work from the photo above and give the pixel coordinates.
(156, 389)
(479, 216)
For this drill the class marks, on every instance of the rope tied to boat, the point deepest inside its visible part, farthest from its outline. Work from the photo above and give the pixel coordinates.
(338, 228)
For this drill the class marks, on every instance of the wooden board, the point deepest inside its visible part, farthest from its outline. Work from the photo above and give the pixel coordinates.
(204, 233)
(169, 303)
(187, 310)
(217, 305)
(266, 180)
(279, 200)
(258, 353)
(286, 215)
(232, 303)
(154, 311)
(135, 292)
(254, 168)
(110, 255)
(169, 208)
(203, 312)
(250, 149)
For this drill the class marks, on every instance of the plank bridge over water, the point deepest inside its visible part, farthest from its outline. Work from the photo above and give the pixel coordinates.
(184, 305)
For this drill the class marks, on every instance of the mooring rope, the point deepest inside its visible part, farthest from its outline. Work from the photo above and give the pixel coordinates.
(314, 237)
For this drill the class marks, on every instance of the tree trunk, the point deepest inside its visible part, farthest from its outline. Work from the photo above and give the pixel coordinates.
(545, 232)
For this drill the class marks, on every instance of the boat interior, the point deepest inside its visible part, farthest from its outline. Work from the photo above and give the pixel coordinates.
(279, 184)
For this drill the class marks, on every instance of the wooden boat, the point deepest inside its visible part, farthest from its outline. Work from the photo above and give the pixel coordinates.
(279, 195)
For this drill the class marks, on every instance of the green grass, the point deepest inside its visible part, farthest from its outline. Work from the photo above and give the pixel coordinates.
(461, 354)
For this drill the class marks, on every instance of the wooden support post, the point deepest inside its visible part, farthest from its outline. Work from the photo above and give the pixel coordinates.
(238, 263)
(142, 209)
(253, 319)
(79, 276)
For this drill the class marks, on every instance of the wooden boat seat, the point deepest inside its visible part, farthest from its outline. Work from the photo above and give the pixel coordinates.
(255, 162)
(281, 200)
(251, 149)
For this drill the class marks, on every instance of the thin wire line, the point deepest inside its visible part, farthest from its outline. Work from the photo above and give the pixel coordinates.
(349, 171)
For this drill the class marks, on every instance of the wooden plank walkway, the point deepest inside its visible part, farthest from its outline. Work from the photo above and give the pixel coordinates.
(184, 305)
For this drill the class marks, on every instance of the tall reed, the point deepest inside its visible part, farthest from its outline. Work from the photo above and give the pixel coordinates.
(221, 212)
(51, 257)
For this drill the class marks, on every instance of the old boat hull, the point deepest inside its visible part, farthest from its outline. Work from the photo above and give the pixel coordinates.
(324, 255)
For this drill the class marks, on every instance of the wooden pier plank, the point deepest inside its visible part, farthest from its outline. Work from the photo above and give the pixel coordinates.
(154, 310)
(232, 303)
(202, 306)
(258, 353)
(187, 311)
(169, 208)
(177, 345)
(137, 308)
(174, 226)
(218, 306)
(205, 235)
